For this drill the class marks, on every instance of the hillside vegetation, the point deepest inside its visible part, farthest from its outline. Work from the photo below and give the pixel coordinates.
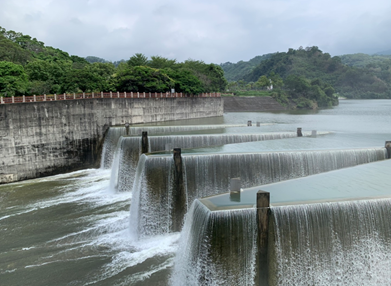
(29, 67)
(351, 76)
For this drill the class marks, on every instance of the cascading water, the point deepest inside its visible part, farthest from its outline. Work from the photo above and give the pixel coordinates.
(206, 175)
(131, 149)
(110, 145)
(344, 243)
(179, 128)
(216, 248)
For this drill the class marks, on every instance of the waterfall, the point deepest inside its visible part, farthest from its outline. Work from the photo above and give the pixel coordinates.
(131, 148)
(110, 145)
(210, 174)
(344, 243)
(206, 175)
(152, 188)
(179, 128)
(216, 248)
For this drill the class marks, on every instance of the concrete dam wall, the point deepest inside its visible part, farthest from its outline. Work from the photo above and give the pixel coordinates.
(46, 138)
(251, 104)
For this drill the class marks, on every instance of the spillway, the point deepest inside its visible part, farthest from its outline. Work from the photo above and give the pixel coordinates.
(114, 133)
(332, 228)
(206, 175)
(344, 243)
(216, 248)
(128, 149)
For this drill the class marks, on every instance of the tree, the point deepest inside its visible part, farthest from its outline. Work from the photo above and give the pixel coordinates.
(138, 60)
(143, 79)
(158, 62)
(77, 80)
(13, 79)
(185, 81)
(263, 82)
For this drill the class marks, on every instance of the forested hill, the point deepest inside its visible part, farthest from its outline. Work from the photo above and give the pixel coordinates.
(234, 72)
(29, 67)
(352, 76)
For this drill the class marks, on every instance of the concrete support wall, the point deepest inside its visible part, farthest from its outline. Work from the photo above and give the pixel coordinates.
(251, 103)
(46, 138)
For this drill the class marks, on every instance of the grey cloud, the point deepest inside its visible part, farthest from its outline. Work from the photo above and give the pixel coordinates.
(213, 31)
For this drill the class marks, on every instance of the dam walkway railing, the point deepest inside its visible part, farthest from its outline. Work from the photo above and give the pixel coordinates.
(75, 96)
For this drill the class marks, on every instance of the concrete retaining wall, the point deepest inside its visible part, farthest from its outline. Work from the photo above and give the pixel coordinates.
(251, 103)
(47, 138)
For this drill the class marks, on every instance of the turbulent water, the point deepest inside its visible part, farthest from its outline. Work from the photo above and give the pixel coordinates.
(73, 230)
(345, 243)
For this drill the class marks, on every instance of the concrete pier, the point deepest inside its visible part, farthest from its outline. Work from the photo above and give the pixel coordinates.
(388, 147)
(179, 206)
(144, 142)
(263, 214)
(299, 133)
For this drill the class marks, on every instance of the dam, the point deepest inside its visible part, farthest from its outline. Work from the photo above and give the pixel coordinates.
(51, 137)
(123, 223)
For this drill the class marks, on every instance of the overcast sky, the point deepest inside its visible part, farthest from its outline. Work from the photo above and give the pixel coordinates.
(210, 30)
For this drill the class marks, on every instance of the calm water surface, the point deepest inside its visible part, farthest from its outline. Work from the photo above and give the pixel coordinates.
(72, 229)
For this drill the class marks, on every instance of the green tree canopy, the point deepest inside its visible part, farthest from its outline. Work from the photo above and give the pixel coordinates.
(13, 79)
(138, 60)
(143, 79)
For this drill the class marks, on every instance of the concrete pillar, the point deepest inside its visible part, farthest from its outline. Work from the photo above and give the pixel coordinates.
(127, 128)
(144, 94)
(263, 214)
(179, 206)
(138, 95)
(84, 95)
(65, 96)
(144, 142)
(313, 133)
(44, 97)
(74, 95)
(24, 98)
(111, 94)
(1, 100)
(388, 147)
(34, 97)
(234, 192)
(299, 134)
(101, 94)
(93, 95)
(117, 94)
(249, 123)
(150, 95)
(55, 96)
(125, 94)
(13, 99)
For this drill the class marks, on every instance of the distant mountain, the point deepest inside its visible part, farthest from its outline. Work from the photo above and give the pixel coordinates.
(388, 52)
(365, 60)
(352, 76)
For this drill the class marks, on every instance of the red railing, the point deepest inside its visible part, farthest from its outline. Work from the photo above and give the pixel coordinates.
(73, 96)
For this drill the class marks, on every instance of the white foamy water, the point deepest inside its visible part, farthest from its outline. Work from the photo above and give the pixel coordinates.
(89, 234)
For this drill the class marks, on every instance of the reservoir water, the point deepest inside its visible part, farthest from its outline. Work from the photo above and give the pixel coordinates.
(74, 229)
